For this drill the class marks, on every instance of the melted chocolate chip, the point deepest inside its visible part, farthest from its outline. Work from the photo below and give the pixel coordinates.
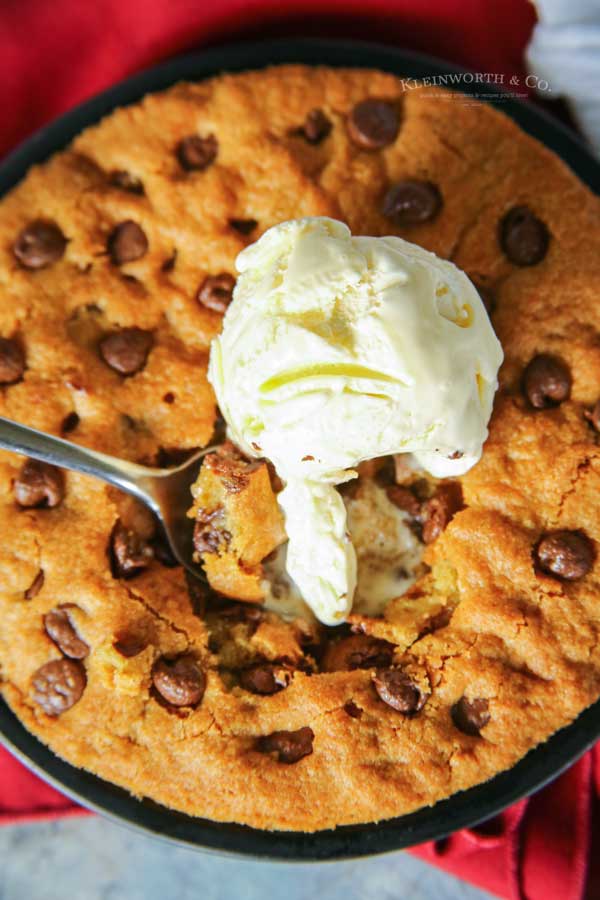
(126, 351)
(127, 243)
(439, 510)
(209, 531)
(290, 746)
(470, 716)
(265, 678)
(129, 554)
(374, 124)
(60, 629)
(125, 181)
(386, 472)
(316, 127)
(169, 264)
(12, 361)
(243, 226)
(359, 651)
(231, 468)
(546, 381)
(523, 237)
(411, 202)
(593, 416)
(354, 711)
(35, 587)
(403, 498)
(197, 153)
(567, 555)
(40, 244)
(58, 685)
(69, 423)
(438, 620)
(216, 291)
(129, 645)
(399, 691)
(39, 484)
(180, 682)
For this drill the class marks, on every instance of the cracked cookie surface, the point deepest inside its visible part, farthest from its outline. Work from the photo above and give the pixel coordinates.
(116, 265)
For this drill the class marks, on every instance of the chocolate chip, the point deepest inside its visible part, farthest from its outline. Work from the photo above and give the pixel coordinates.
(125, 181)
(438, 511)
(129, 646)
(35, 587)
(290, 746)
(359, 651)
(126, 243)
(568, 555)
(593, 416)
(216, 291)
(470, 716)
(126, 351)
(354, 711)
(523, 237)
(181, 682)
(196, 153)
(39, 484)
(69, 423)
(61, 630)
(411, 202)
(58, 685)
(39, 244)
(403, 498)
(399, 691)
(374, 124)
(546, 381)
(12, 361)
(316, 127)
(129, 554)
(244, 226)
(265, 678)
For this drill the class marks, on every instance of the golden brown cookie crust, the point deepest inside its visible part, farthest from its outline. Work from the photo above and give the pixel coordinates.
(519, 640)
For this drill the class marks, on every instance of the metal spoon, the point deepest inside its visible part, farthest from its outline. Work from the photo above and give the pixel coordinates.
(165, 491)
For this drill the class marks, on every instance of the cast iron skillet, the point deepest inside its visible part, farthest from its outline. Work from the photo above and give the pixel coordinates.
(461, 810)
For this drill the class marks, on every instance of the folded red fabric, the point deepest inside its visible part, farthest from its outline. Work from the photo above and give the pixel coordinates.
(54, 55)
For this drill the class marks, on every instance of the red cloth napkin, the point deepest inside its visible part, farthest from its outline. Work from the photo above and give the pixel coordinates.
(54, 55)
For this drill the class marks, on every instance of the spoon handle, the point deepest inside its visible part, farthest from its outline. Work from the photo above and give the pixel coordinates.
(45, 447)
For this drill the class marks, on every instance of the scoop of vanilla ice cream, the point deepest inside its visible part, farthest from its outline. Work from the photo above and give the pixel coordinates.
(337, 349)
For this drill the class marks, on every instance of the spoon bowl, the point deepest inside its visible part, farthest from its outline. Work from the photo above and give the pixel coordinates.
(166, 492)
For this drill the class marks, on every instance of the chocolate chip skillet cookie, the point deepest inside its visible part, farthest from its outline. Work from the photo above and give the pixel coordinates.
(116, 265)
